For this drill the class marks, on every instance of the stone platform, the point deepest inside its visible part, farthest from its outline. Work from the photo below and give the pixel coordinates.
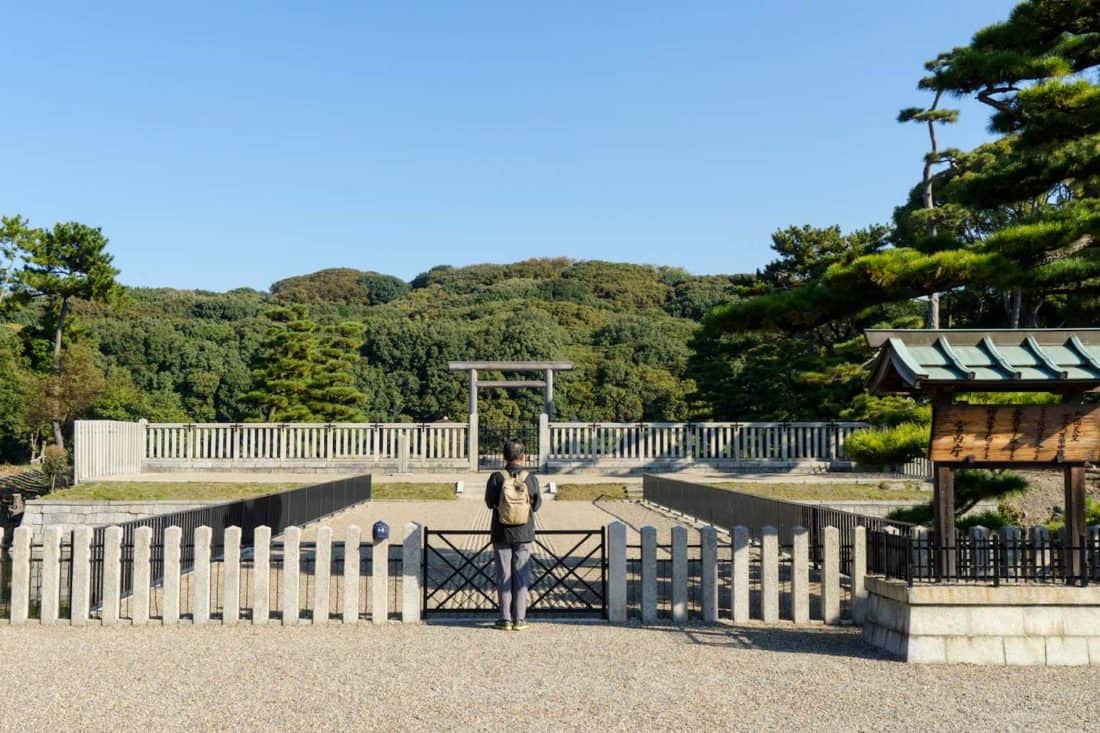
(1051, 625)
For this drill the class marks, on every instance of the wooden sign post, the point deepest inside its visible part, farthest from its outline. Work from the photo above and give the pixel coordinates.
(1004, 436)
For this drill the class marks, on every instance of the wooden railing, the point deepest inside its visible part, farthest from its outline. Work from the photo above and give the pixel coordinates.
(705, 442)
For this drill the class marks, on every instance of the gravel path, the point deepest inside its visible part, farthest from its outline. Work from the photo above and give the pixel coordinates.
(554, 677)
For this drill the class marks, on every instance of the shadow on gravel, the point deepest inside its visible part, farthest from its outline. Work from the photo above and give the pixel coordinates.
(793, 641)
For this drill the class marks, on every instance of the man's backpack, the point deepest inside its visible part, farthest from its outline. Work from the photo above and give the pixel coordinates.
(514, 507)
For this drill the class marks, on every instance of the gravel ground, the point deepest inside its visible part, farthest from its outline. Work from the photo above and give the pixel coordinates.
(464, 677)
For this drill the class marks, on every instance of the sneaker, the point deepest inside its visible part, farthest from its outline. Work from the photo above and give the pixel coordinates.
(520, 626)
(503, 625)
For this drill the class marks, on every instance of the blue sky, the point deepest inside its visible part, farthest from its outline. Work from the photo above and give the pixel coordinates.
(229, 144)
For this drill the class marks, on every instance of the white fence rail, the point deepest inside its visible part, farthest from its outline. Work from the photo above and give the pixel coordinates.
(710, 442)
(107, 448)
(304, 441)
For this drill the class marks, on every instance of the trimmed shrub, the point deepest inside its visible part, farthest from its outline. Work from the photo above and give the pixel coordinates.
(890, 446)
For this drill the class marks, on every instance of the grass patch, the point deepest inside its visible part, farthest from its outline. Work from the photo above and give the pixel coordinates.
(828, 491)
(413, 492)
(167, 490)
(590, 492)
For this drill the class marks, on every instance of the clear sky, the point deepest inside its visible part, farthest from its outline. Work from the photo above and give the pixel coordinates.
(231, 144)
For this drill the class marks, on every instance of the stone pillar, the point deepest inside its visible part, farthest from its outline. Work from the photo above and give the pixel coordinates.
(379, 581)
(548, 394)
(322, 575)
(261, 575)
(1010, 553)
(739, 601)
(1038, 538)
(231, 576)
(830, 577)
(112, 575)
(50, 591)
(471, 434)
(403, 452)
(544, 441)
(649, 575)
(679, 575)
(292, 538)
(800, 575)
(351, 574)
(200, 577)
(769, 574)
(472, 430)
(82, 575)
(171, 613)
(980, 552)
(859, 574)
(141, 583)
(410, 574)
(20, 575)
(708, 580)
(616, 572)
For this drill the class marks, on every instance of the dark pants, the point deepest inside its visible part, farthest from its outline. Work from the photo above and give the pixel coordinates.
(513, 574)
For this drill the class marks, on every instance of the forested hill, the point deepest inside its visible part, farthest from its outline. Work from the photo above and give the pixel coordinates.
(195, 355)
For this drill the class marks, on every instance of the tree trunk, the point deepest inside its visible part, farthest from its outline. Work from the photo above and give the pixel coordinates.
(58, 437)
(1015, 299)
(932, 314)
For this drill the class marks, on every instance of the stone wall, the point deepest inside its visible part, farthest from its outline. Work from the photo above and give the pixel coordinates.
(42, 513)
(1052, 625)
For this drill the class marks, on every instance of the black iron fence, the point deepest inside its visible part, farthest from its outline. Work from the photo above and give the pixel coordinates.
(277, 511)
(568, 572)
(992, 560)
(724, 508)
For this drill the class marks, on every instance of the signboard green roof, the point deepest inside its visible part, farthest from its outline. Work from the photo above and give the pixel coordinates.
(1054, 360)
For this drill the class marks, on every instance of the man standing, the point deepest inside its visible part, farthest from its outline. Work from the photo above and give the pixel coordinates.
(513, 496)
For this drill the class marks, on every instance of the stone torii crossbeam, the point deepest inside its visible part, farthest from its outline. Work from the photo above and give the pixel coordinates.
(546, 384)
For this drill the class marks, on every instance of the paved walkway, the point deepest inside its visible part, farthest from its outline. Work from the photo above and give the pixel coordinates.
(555, 677)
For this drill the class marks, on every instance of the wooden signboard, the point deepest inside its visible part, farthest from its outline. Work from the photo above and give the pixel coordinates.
(1016, 433)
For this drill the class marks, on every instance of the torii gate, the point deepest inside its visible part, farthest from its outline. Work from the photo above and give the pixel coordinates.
(546, 384)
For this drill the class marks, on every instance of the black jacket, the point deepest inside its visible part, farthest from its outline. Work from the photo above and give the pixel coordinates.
(505, 535)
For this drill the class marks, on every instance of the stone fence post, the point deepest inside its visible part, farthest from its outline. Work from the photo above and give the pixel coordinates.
(200, 576)
(859, 574)
(141, 585)
(830, 577)
(616, 572)
(739, 601)
(380, 581)
(679, 575)
(50, 588)
(410, 573)
(708, 580)
(261, 575)
(800, 575)
(82, 575)
(112, 575)
(769, 574)
(231, 576)
(292, 538)
(352, 539)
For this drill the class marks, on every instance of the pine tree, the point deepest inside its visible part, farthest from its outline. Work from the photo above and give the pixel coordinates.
(333, 395)
(1018, 217)
(284, 368)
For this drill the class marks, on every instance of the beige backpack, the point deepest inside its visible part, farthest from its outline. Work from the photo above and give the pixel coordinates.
(514, 507)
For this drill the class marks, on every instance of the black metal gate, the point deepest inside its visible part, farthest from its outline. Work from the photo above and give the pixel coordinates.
(568, 573)
(491, 437)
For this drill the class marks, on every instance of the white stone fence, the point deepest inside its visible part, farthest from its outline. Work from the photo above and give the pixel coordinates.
(724, 444)
(58, 582)
(738, 577)
(109, 448)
